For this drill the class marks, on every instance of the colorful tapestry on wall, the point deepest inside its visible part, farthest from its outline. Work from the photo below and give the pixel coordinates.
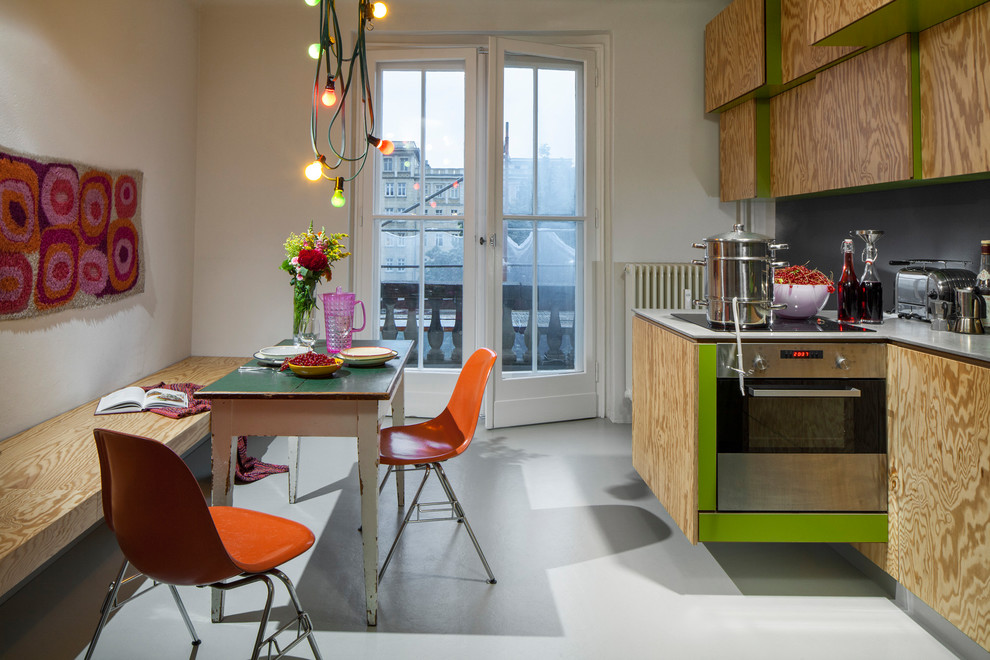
(70, 235)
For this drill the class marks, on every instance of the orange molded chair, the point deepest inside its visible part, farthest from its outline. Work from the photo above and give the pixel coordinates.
(165, 529)
(426, 445)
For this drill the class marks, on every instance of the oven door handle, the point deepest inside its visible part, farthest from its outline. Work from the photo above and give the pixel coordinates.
(846, 393)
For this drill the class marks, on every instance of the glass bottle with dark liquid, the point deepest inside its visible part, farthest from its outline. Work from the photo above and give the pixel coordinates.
(870, 289)
(847, 291)
(871, 296)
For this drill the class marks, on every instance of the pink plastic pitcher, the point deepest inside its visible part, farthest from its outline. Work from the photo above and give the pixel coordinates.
(338, 311)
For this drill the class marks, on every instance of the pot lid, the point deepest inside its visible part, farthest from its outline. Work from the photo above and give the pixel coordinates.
(740, 235)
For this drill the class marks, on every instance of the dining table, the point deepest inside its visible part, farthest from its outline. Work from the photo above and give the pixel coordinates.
(258, 400)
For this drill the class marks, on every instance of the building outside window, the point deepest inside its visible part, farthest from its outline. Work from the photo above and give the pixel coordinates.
(390, 189)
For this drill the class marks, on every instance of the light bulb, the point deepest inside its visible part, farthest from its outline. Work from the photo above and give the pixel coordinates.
(314, 51)
(416, 186)
(433, 203)
(329, 97)
(338, 193)
(314, 170)
(312, 3)
(384, 146)
(379, 9)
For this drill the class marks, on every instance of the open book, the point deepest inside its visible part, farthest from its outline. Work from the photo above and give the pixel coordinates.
(135, 399)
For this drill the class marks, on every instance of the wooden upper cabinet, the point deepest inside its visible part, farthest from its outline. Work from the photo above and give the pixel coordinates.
(829, 16)
(798, 55)
(955, 95)
(744, 160)
(735, 52)
(850, 126)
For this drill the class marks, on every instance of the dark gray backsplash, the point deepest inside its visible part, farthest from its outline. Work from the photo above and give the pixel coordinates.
(944, 221)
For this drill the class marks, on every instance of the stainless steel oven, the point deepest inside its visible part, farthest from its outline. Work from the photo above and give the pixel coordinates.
(805, 430)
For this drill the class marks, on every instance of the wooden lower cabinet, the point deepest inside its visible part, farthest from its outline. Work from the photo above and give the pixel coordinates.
(938, 416)
(665, 420)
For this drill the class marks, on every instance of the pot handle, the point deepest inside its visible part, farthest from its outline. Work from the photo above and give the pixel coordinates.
(700, 246)
(698, 262)
(779, 246)
(776, 306)
(779, 264)
(700, 303)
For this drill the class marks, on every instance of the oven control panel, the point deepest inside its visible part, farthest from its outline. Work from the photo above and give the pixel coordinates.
(802, 360)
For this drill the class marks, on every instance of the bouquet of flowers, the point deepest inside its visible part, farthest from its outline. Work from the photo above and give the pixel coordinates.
(308, 259)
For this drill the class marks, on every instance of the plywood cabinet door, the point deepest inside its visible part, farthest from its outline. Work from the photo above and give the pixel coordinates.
(829, 16)
(798, 55)
(742, 158)
(735, 52)
(850, 126)
(955, 95)
(665, 420)
(939, 518)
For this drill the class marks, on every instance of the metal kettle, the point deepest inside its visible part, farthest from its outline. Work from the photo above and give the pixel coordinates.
(969, 312)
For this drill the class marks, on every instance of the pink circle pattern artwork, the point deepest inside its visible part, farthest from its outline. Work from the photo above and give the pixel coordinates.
(94, 202)
(57, 267)
(123, 254)
(70, 235)
(125, 196)
(15, 282)
(60, 196)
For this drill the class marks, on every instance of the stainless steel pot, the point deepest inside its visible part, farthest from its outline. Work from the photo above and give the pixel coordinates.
(739, 264)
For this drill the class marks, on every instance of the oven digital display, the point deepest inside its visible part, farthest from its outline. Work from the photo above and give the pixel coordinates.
(800, 354)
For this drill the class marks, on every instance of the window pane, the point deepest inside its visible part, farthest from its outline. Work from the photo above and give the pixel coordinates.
(557, 137)
(399, 254)
(402, 124)
(443, 260)
(517, 142)
(444, 152)
(556, 287)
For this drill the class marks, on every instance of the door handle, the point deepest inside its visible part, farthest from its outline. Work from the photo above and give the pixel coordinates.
(846, 393)
(491, 240)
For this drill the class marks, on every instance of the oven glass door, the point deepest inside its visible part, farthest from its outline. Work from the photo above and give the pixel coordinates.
(832, 416)
(802, 445)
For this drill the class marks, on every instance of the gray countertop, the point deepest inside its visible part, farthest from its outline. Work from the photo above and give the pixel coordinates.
(893, 329)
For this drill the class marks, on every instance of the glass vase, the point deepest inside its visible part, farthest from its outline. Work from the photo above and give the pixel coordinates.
(305, 319)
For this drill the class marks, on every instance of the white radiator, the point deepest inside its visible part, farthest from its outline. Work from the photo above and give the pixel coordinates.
(658, 286)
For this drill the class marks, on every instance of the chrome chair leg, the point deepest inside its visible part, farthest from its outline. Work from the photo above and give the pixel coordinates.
(184, 613)
(459, 510)
(405, 521)
(110, 605)
(107, 608)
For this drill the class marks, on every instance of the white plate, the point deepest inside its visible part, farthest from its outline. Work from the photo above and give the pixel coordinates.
(373, 361)
(282, 352)
(267, 361)
(366, 352)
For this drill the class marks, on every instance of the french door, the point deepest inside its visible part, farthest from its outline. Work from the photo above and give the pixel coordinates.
(542, 205)
(447, 262)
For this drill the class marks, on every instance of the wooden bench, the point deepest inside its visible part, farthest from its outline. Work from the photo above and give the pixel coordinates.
(50, 473)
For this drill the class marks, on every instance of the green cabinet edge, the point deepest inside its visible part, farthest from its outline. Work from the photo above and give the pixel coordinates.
(706, 427)
(793, 527)
(897, 18)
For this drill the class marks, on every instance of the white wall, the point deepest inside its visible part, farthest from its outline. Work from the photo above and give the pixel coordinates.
(110, 83)
(253, 143)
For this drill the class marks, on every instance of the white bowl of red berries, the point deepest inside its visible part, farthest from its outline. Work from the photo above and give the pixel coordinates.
(802, 291)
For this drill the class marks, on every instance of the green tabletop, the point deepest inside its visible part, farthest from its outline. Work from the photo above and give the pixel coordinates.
(350, 382)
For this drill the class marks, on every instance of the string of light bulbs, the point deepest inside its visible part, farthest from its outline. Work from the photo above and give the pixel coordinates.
(331, 97)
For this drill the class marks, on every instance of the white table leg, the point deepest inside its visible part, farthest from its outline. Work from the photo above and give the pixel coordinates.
(368, 426)
(224, 454)
(399, 419)
(293, 467)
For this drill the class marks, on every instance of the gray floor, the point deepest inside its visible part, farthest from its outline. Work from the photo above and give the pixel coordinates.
(589, 565)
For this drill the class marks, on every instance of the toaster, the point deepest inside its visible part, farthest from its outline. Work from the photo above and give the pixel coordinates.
(919, 288)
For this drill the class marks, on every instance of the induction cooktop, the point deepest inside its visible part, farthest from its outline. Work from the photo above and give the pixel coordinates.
(778, 324)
